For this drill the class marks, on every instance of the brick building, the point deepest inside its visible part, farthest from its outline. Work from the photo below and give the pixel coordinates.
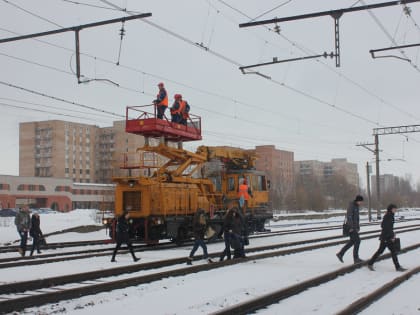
(278, 165)
(80, 152)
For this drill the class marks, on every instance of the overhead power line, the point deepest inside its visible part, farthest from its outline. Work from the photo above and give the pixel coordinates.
(302, 93)
(59, 99)
(335, 14)
(76, 30)
(308, 51)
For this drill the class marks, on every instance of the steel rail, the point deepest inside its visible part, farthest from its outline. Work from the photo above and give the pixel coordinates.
(17, 304)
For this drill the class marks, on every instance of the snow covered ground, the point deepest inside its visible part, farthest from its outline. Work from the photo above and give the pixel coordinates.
(212, 290)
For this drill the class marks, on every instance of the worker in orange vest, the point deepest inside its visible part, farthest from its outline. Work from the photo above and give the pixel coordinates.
(244, 193)
(161, 101)
(177, 109)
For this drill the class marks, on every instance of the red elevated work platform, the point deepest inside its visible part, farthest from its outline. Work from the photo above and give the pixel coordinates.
(142, 120)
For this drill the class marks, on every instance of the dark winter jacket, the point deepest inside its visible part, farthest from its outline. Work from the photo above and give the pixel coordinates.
(122, 229)
(199, 225)
(353, 219)
(387, 225)
(23, 220)
(238, 224)
(35, 230)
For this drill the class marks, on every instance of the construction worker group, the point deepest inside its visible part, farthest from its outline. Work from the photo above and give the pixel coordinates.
(180, 108)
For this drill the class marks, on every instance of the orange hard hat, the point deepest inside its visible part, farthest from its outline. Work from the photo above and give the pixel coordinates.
(160, 84)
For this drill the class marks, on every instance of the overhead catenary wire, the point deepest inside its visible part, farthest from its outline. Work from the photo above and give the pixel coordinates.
(31, 13)
(59, 99)
(236, 63)
(252, 106)
(306, 95)
(385, 31)
(308, 51)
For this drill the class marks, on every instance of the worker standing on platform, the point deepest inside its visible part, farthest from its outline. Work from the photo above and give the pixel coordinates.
(185, 113)
(177, 109)
(161, 101)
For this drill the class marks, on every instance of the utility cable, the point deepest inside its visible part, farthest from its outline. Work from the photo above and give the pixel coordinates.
(271, 10)
(266, 77)
(308, 51)
(59, 99)
(49, 106)
(31, 13)
(382, 27)
(303, 93)
(45, 111)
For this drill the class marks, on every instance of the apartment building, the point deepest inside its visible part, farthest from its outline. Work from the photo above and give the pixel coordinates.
(324, 170)
(278, 165)
(80, 152)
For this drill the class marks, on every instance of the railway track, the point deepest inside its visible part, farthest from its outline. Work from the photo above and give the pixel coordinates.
(60, 257)
(21, 295)
(57, 245)
(364, 302)
(274, 297)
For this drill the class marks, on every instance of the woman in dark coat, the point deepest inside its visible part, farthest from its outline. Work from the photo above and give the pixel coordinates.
(387, 239)
(122, 236)
(36, 233)
(199, 229)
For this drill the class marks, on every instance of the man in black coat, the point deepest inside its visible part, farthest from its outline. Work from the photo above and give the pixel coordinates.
(387, 239)
(36, 233)
(353, 222)
(122, 236)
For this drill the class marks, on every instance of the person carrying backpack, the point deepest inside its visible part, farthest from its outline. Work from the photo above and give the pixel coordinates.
(353, 222)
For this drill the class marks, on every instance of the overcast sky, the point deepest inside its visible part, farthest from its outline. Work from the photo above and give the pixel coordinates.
(309, 107)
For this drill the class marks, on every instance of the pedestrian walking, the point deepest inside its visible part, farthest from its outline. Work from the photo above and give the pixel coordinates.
(387, 239)
(36, 233)
(22, 222)
(238, 237)
(122, 236)
(199, 229)
(227, 234)
(353, 222)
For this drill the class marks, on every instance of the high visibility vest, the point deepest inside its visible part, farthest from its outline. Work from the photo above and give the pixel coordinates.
(163, 102)
(243, 191)
(180, 109)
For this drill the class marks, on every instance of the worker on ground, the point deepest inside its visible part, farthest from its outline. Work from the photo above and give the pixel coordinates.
(36, 233)
(244, 192)
(122, 235)
(161, 101)
(23, 223)
(387, 239)
(353, 222)
(199, 229)
(177, 109)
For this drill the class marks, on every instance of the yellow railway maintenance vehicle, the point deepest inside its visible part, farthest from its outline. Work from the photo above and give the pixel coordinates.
(174, 183)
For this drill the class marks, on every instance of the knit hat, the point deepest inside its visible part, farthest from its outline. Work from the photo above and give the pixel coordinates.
(391, 206)
(358, 198)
